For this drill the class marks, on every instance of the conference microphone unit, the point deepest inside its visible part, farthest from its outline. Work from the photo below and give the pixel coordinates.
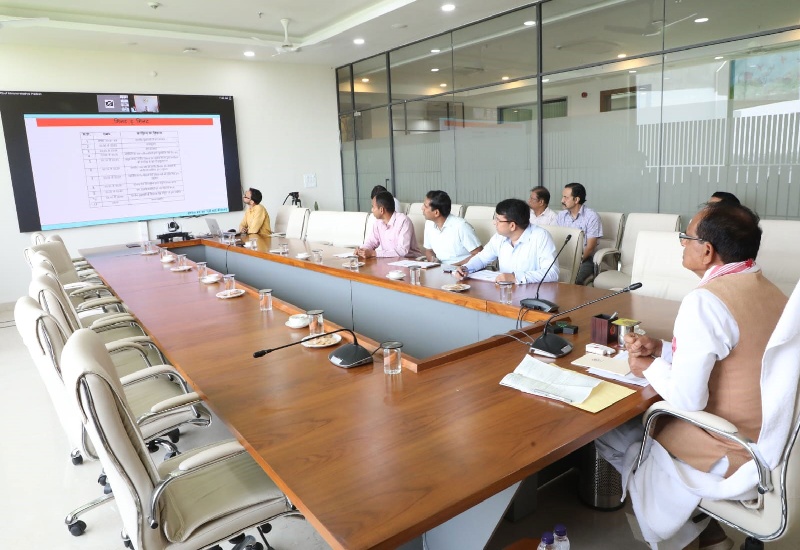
(552, 345)
(346, 356)
(538, 304)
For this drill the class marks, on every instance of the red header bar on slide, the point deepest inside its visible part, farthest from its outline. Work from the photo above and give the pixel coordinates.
(123, 121)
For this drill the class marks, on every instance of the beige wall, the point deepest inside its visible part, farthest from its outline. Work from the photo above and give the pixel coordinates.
(286, 123)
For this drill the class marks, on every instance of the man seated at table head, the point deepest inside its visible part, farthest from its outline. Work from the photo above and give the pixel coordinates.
(256, 218)
(576, 214)
(392, 234)
(724, 196)
(381, 189)
(539, 203)
(713, 364)
(448, 238)
(523, 251)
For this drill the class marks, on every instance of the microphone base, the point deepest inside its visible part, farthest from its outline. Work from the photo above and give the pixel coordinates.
(539, 305)
(551, 345)
(350, 355)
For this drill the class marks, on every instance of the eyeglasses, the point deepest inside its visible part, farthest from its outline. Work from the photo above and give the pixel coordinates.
(685, 237)
(246, 197)
(495, 219)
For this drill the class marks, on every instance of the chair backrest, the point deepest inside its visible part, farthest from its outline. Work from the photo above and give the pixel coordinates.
(96, 397)
(282, 218)
(570, 258)
(58, 256)
(336, 228)
(38, 237)
(296, 224)
(658, 265)
(414, 208)
(50, 295)
(404, 207)
(613, 222)
(418, 221)
(779, 255)
(779, 516)
(642, 222)
(480, 218)
(457, 210)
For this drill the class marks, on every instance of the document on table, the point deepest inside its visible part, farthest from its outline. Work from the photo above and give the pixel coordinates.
(613, 369)
(484, 275)
(345, 254)
(581, 391)
(412, 263)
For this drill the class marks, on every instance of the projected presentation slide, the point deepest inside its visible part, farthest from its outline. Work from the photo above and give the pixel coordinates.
(101, 167)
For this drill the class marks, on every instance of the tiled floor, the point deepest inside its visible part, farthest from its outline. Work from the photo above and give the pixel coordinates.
(39, 485)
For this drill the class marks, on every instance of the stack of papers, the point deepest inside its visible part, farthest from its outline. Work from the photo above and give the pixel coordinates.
(413, 263)
(614, 369)
(484, 275)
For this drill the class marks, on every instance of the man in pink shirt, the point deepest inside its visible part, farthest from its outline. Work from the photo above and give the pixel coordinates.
(392, 233)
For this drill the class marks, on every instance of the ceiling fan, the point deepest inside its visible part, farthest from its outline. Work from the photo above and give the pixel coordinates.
(287, 46)
(654, 27)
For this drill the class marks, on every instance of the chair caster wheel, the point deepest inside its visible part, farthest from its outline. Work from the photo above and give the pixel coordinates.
(102, 480)
(174, 435)
(171, 454)
(77, 528)
(254, 546)
(152, 447)
(77, 459)
(128, 543)
(107, 489)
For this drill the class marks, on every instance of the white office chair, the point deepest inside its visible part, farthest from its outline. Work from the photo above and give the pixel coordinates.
(418, 221)
(296, 224)
(658, 265)
(78, 293)
(57, 254)
(480, 218)
(779, 255)
(187, 502)
(570, 259)
(624, 254)
(38, 237)
(774, 471)
(336, 228)
(282, 218)
(79, 261)
(457, 210)
(613, 224)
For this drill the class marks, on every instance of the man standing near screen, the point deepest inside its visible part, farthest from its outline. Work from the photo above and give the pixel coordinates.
(256, 219)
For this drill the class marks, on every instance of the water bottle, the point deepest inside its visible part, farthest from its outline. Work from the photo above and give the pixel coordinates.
(561, 542)
(547, 541)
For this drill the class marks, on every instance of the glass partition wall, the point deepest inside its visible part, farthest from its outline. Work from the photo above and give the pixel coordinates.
(652, 105)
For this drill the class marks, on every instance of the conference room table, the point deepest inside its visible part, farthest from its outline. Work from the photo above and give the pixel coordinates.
(372, 460)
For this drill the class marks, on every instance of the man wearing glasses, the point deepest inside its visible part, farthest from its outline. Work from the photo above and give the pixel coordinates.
(256, 219)
(713, 364)
(523, 251)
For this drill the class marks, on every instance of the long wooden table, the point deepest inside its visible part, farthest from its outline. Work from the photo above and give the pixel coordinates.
(371, 460)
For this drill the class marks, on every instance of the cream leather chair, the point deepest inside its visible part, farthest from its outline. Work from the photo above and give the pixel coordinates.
(296, 224)
(779, 255)
(79, 261)
(336, 228)
(282, 218)
(480, 218)
(570, 259)
(613, 224)
(418, 221)
(187, 502)
(624, 254)
(38, 237)
(658, 265)
(59, 257)
(774, 471)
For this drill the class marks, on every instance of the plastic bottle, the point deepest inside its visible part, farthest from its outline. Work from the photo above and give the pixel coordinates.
(561, 542)
(547, 541)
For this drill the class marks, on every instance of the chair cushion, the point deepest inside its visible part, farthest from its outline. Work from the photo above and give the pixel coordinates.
(612, 279)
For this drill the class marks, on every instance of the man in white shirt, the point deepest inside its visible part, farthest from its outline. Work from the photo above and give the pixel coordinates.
(523, 251)
(448, 239)
(539, 203)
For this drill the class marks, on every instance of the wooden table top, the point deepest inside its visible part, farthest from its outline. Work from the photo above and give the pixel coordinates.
(372, 460)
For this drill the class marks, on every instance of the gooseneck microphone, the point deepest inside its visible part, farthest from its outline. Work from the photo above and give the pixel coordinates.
(544, 305)
(346, 356)
(552, 345)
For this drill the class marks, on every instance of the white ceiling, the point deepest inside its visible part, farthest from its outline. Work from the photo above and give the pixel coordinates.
(224, 29)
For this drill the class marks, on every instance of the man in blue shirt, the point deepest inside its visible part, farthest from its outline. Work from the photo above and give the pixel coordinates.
(576, 214)
(523, 251)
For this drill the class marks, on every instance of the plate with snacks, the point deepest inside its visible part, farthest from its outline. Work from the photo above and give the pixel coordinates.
(456, 287)
(321, 341)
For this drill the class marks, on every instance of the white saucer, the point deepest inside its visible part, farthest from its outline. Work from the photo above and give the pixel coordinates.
(168, 259)
(299, 325)
(150, 253)
(347, 264)
(235, 293)
(457, 287)
(328, 340)
(303, 256)
(181, 268)
(211, 279)
(396, 275)
(276, 251)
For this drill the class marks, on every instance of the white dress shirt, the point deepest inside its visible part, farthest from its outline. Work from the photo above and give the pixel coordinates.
(527, 260)
(453, 242)
(547, 217)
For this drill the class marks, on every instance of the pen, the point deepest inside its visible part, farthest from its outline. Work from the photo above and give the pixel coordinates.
(552, 396)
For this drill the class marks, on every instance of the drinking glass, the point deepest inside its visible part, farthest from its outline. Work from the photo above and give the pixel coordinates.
(181, 260)
(392, 358)
(317, 256)
(202, 269)
(506, 292)
(148, 247)
(230, 283)
(354, 263)
(284, 248)
(316, 324)
(415, 271)
(265, 299)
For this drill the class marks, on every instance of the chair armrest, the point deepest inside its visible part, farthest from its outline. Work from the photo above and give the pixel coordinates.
(112, 322)
(177, 402)
(89, 288)
(203, 459)
(600, 255)
(97, 302)
(118, 346)
(153, 372)
(710, 423)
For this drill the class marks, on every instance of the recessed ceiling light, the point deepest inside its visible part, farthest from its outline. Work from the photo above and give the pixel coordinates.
(249, 54)
(701, 20)
(448, 7)
(720, 57)
(545, 80)
(529, 23)
(622, 56)
(443, 85)
(435, 51)
(358, 41)
(504, 78)
(631, 72)
(365, 80)
(434, 70)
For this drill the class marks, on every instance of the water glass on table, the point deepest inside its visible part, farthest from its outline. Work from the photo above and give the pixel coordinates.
(265, 299)
(202, 269)
(392, 357)
(506, 292)
(229, 281)
(415, 273)
(316, 322)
